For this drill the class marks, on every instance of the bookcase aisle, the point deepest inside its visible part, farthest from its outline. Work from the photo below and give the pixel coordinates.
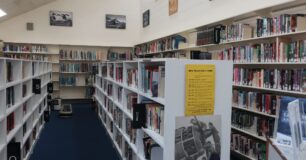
(139, 112)
(21, 111)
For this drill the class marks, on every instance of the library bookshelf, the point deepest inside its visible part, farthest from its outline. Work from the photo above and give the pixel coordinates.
(112, 94)
(36, 51)
(287, 43)
(76, 69)
(21, 111)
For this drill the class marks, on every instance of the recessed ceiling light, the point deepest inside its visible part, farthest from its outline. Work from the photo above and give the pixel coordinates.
(2, 13)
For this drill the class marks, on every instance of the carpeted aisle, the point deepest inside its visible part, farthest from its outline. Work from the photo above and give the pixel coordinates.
(80, 137)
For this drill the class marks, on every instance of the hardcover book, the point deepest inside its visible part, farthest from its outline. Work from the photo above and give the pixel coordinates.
(139, 116)
(14, 151)
(36, 86)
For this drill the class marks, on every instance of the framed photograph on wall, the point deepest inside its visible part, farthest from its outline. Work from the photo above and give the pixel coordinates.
(60, 18)
(115, 21)
(173, 7)
(146, 18)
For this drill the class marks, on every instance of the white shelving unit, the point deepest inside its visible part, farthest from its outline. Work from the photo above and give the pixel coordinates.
(173, 102)
(28, 108)
(279, 39)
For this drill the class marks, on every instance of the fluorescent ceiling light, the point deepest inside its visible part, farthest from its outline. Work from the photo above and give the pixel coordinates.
(2, 13)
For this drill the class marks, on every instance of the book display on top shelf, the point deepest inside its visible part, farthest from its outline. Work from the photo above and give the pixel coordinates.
(167, 44)
(26, 51)
(115, 55)
(76, 67)
(80, 55)
(143, 106)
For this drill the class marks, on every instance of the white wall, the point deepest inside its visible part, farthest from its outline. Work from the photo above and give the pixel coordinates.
(88, 24)
(89, 20)
(194, 13)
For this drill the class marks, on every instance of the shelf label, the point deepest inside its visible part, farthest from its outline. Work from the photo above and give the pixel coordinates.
(200, 89)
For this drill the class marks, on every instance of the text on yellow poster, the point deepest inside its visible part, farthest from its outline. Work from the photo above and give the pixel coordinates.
(200, 89)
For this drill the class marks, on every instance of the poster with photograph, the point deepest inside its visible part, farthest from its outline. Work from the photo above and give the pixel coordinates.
(60, 18)
(146, 18)
(198, 138)
(173, 6)
(115, 21)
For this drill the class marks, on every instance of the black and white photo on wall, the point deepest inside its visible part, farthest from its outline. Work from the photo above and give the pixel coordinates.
(146, 18)
(61, 18)
(198, 137)
(115, 21)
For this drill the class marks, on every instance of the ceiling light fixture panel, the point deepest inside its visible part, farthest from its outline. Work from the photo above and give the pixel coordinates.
(2, 13)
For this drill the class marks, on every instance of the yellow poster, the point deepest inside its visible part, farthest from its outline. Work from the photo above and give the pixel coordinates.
(200, 89)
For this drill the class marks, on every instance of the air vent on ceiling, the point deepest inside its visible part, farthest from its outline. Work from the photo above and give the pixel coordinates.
(30, 26)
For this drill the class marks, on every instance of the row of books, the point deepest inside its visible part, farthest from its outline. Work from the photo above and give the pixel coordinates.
(284, 79)
(132, 77)
(209, 35)
(148, 145)
(119, 73)
(28, 143)
(27, 57)
(235, 32)
(155, 118)
(25, 48)
(117, 116)
(266, 52)
(104, 71)
(284, 23)
(258, 125)
(113, 55)
(109, 106)
(111, 71)
(67, 80)
(89, 80)
(126, 148)
(148, 115)
(79, 55)
(10, 97)
(9, 71)
(24, 90)
(248, 146)
(153, 80)
(118, 138)
(89, 91)
(119, 94)
(255, 124)
(130, 131)
(128, 152)
(164, 44)
(76, 67)
(10, 122)
(256, 101)
(110, 89)
(25, 108)
(131, 101)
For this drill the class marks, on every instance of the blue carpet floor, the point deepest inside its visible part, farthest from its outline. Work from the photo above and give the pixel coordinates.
(80, 137)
